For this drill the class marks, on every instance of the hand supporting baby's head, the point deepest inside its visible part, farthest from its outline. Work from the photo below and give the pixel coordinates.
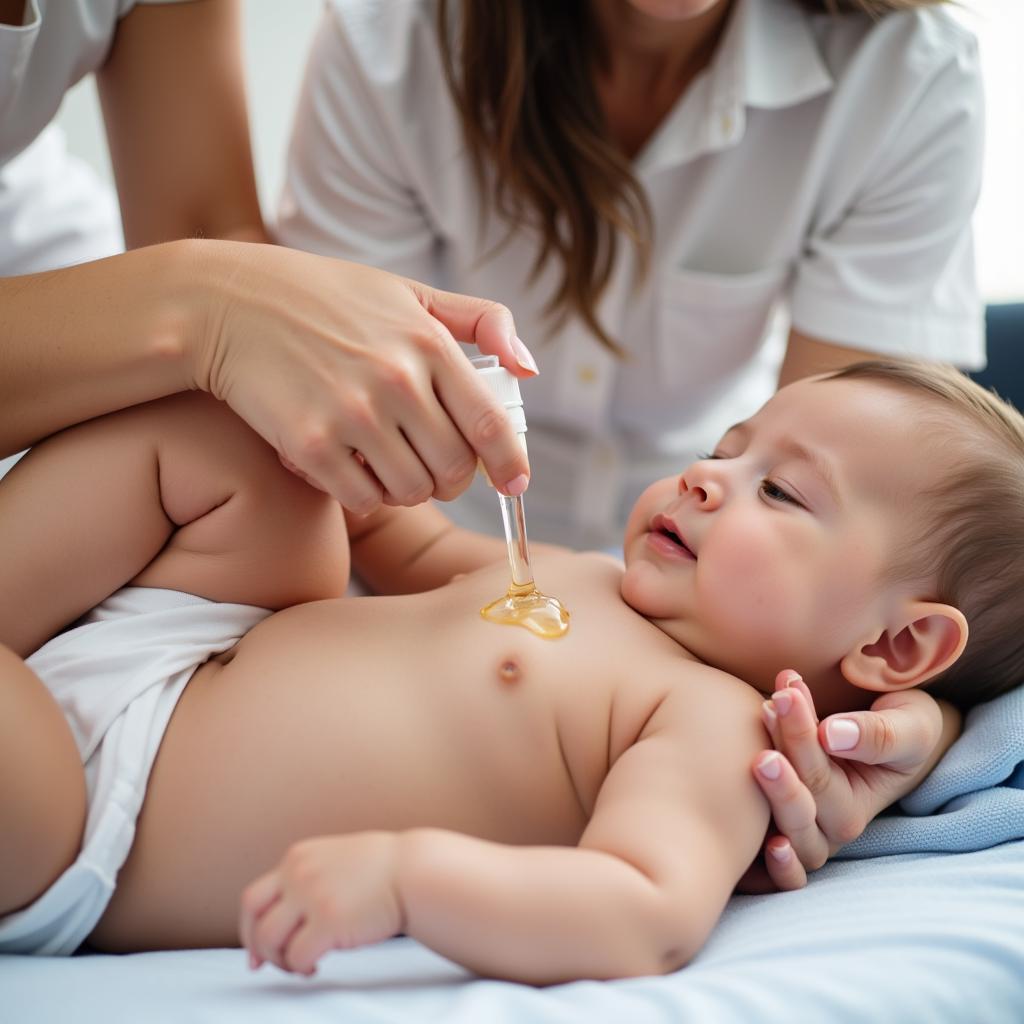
(865, 527)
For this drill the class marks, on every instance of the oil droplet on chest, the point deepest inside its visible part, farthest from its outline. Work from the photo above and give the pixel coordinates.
(524, 605)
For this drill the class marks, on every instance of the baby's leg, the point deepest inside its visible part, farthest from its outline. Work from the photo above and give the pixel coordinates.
(177, 493)
(42, 787)
(79, 516)
(246, 529)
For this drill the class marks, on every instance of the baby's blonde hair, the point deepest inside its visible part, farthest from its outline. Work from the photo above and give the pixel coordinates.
(970, 537)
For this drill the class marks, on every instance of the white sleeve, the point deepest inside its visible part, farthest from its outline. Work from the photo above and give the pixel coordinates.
(348, 192)
(893, 272)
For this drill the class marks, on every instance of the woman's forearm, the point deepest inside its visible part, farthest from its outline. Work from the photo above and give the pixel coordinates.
(86, 340)
(320, 357)
(539, 915)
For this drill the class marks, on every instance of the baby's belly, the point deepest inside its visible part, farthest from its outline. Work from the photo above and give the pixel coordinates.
(402, 719)
(336, 717)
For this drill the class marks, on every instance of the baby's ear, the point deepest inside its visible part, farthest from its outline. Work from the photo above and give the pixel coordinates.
(926, 639)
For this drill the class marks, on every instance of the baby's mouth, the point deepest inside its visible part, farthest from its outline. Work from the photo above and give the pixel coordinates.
(666, 538)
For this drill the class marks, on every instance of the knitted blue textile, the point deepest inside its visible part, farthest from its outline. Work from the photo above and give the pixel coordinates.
(972, 800)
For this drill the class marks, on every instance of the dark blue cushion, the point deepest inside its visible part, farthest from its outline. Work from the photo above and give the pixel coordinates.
(1004, 327)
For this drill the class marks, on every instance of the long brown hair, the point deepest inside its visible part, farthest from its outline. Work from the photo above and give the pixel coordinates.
(521, 73)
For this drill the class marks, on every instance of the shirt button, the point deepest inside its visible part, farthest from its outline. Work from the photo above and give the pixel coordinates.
(586, 374)
(727, 123)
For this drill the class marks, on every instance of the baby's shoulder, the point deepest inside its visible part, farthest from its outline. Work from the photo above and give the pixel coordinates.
(582, 564)
(590, 580)
(700, 700)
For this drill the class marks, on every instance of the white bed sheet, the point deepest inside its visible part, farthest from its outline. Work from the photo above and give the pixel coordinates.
(935, 939)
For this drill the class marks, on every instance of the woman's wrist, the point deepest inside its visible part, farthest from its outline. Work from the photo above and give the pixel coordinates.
(189, 319)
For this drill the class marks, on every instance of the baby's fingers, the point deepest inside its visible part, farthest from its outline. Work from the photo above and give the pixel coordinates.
(306, 947)
(257, 898)
(274, 931)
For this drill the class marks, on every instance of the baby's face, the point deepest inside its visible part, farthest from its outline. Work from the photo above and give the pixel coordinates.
(772, 553)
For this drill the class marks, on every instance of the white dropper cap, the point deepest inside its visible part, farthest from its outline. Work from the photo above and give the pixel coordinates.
(505, 388)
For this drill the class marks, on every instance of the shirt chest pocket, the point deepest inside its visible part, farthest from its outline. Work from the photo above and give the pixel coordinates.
(710, 327)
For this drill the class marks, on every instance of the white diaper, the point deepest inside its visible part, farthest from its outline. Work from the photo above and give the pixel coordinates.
(117, 676)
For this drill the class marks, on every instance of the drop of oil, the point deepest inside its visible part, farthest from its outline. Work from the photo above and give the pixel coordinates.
(524, 605)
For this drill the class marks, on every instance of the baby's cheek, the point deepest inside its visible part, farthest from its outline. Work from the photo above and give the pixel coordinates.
(748, 564)
(653, 500)
(760, 593)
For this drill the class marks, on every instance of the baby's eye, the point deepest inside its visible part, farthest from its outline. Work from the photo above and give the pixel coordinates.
(773, 492)
(709, 456)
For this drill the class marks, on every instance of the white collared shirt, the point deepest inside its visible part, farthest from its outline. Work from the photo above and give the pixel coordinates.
(821, 171)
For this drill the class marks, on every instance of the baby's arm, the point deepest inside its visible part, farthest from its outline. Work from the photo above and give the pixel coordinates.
(410, 550)
(639, 895)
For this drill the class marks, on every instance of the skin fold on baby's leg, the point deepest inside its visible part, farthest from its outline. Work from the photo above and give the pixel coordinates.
(248, 530)
(177, 493)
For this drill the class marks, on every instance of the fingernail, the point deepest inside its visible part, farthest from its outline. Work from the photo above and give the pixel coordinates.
(783, 701)
(523, 356)
(788, 679)
(842, 733)
(516, 487)
(781, 852)
(770, 765)
(768, 715)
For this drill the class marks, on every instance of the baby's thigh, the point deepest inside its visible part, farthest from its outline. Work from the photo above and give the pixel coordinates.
(42, 787)
(247, 530)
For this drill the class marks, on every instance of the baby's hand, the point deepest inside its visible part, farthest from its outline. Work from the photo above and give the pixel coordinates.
(826, 781)
(333, 892)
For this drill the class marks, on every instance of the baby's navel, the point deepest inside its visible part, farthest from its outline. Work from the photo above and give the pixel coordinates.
(509, 671)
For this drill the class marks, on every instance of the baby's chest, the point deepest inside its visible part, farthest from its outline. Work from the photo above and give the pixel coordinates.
(599, 702)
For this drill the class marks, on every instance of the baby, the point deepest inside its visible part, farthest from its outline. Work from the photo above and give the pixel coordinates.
(540, 810)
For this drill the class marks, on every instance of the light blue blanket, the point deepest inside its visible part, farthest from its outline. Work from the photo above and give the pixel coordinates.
(973, 799)
(915, 939)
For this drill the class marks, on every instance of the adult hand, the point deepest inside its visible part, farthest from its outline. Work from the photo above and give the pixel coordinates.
(355, 377)
(827, 780)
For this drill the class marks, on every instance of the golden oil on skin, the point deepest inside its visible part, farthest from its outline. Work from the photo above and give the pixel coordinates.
(524, 605)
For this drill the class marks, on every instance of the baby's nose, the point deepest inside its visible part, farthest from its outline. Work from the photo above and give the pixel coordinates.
(706, 490)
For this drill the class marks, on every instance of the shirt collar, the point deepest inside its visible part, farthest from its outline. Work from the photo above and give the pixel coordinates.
(775, 54)
(768, 57)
